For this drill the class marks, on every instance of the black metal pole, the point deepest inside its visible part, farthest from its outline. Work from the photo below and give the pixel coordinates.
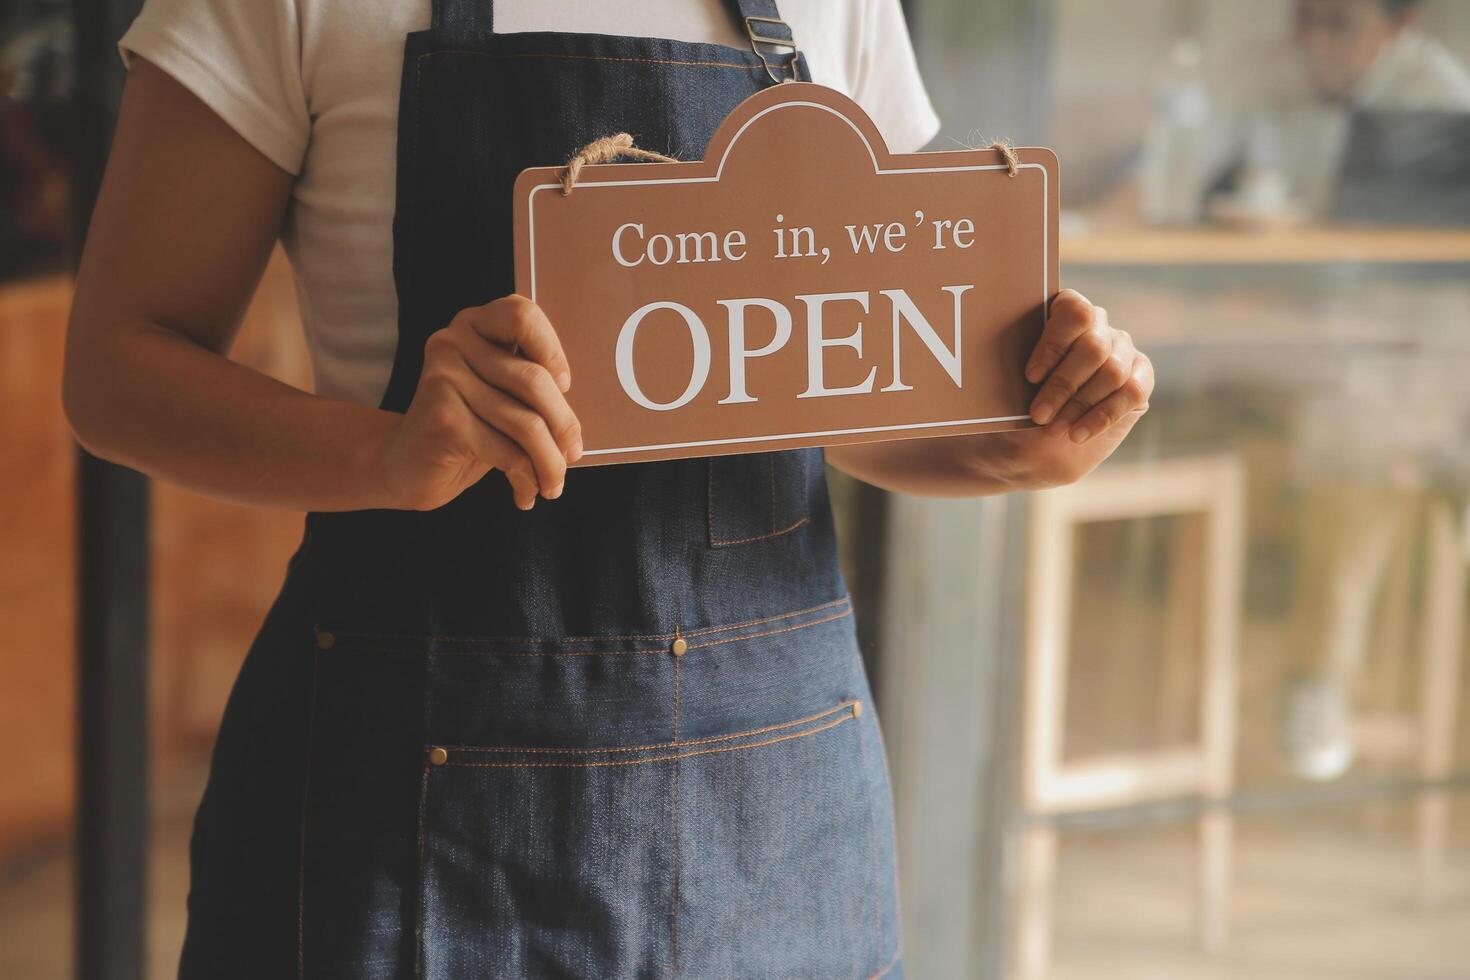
(112, 721)
(112, 598)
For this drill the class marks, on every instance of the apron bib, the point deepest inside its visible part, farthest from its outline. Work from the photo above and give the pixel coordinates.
(625, 734)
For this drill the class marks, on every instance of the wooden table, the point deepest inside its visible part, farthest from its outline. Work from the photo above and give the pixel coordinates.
(1222, 246)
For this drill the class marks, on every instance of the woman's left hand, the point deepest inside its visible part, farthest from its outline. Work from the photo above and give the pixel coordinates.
(1094, 387)
(1092, 377)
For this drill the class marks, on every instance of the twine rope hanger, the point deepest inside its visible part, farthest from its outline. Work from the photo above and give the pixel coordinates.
(620, 145)
(1006, 150)
(606, 150)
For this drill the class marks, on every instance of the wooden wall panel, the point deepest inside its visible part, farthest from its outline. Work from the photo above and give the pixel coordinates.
(216, 566)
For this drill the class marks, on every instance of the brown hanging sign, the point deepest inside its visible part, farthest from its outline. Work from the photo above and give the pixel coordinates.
(800, 286)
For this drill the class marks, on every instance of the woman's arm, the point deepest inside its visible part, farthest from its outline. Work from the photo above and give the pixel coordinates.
(185, 221)
(1095, 386)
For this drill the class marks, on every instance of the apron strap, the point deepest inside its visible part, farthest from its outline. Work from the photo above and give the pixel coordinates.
(463, 19)
(759, 20)
(770, 37)
(466, 19)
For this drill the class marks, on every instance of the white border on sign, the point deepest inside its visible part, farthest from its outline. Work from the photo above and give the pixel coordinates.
(1045, 274)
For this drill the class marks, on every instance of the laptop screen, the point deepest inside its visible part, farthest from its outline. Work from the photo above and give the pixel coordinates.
(1405, 168)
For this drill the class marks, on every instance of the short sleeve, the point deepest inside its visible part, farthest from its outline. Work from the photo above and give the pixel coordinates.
(887, 83)
(242, 58)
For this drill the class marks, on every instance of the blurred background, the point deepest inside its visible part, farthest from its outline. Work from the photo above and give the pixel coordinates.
(1198, 717)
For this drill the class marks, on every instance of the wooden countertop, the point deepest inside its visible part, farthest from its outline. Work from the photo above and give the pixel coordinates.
(1303, 246)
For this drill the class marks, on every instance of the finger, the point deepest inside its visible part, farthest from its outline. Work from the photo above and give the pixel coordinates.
(1112, 375)
(507, 457)
(499, 452)
(532, 385)
(520, 325)
(513, 419)
(1089, 352)
(1129, 400)
(1071, 316)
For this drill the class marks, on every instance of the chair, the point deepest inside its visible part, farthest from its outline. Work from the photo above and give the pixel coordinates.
(1425, 737)
(1211, 487)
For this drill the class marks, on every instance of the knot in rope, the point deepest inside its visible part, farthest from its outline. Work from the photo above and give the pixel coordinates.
(1005, 149)
(606, 150)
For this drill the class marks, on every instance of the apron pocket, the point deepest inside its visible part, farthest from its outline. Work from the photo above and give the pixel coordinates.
(571, 861)
(537, 869)
(756, 496)
(779, 857)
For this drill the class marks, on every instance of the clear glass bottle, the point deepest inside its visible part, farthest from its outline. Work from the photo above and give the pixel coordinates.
(1174, 150)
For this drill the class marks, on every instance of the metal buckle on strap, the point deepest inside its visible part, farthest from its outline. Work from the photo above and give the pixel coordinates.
(757, 39)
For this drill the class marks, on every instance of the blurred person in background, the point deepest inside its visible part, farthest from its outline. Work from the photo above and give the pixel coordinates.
(1264, 145)
(1351, 56)
(1364, 479)
(1372, 53)
(1261, 141)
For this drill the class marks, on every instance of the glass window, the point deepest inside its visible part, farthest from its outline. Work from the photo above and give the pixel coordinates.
(1205, 714)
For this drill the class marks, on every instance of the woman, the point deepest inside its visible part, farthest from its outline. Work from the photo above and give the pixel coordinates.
(623, 731)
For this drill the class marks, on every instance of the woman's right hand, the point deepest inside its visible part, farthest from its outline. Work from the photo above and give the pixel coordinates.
(492, 395)
(159, 299)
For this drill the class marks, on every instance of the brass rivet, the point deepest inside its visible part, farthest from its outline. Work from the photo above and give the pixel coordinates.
(857, 709)
(438, 756)
(680, 645)
(324, 640)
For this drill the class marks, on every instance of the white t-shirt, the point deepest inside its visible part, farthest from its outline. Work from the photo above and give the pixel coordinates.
(314, 85)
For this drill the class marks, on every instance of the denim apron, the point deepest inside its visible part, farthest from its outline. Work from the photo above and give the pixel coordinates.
(625, 734)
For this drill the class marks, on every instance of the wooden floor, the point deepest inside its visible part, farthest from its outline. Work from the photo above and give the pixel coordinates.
(1324, 896)
(1317, 896)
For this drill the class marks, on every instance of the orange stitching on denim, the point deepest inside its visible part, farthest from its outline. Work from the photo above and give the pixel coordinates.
(665, 745)
(660, 638)
(891, 964)
(768, 619)
(301, 835)
(658, 758)
(761, 537)
(674, 839)
(366, 644)
(771, 461)
(872, 842)
(677, 661)
(787, 629)
(709, 493)
(640, 652)
(418, 956)
(591, 57)
(893, 863)
(716, 542)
